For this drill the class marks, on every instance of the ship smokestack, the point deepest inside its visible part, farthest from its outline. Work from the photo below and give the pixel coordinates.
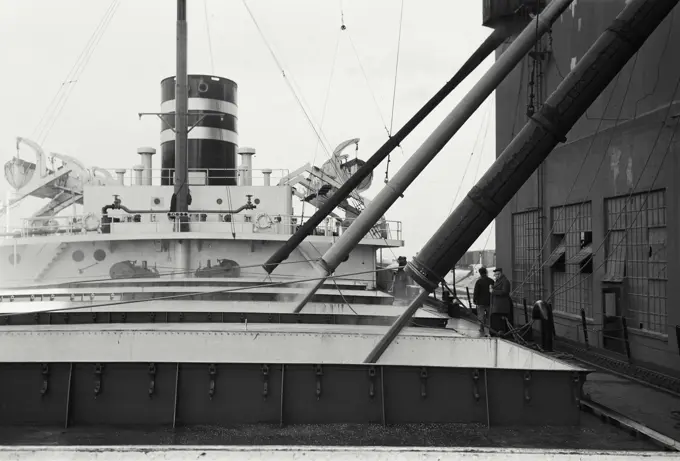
(267, 176)
(146, 153)
(247, 154)
(213, 140)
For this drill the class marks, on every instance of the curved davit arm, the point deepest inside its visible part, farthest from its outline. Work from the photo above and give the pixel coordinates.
(74, 164)
(40, 157)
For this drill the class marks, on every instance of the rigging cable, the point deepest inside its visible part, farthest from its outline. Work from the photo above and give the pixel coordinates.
(288, 80)
(334, 282)
(637, 183)
(481, 154)
(207, 28)
(69, 78)
(365, 75)
(396, 67)
(517, 102)
(323, 113)
(536, 267)
(394, 91)
(80, 67)
(231, 217)
(328, 92)
(483, 125)
(486, 131)
(300, 100)
(658, 67)
(368, 84)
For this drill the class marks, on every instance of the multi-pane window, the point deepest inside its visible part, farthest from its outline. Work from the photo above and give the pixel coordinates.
(636, 256)
(570, 260)
(527, 277)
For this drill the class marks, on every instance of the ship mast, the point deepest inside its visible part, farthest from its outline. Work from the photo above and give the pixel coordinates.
(181, 191)
(181, 109)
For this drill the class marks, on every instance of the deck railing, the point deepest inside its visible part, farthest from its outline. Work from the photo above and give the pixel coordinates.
(252, 222)
(197, 176)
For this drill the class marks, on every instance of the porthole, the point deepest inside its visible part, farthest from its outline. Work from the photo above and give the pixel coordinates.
(99, 255)
(11, 258)
(219, 201)
(78, 256)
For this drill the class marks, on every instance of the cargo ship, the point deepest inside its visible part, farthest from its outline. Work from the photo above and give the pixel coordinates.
(189, 297)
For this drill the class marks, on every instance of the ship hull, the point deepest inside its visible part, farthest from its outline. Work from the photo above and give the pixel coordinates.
(81, 376)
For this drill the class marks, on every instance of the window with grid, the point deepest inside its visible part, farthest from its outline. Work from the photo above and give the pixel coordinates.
(527, 280)
(636, 256)
(570, 261)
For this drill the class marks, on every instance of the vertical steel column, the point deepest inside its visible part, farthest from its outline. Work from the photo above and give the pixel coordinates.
(181, 110)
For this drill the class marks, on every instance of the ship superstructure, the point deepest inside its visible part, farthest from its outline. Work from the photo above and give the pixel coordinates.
(128, 228)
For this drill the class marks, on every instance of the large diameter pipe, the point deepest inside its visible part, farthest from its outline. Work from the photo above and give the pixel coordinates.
(146, 154)
(497, 37)
(520, 159)
(246, 154)
(138, 175)
(438, 139)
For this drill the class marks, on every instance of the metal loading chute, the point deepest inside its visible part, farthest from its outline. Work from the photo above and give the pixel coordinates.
(520, 159)
(436, 142)
(497, 37)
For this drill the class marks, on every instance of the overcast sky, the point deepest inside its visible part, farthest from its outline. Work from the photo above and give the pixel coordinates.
(40, 41)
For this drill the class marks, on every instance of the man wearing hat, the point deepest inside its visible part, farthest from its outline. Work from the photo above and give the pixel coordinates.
(501, 303)
(482, 296)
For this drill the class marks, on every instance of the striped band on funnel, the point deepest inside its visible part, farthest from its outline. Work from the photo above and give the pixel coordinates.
(213, 125)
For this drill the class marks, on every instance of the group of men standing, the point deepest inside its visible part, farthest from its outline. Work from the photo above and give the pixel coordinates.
(492, 298)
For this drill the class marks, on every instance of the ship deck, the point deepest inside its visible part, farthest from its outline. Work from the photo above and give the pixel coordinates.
(263, 343)
(245, 307)
(203, 300)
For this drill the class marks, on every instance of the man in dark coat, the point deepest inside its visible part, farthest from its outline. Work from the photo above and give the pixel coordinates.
(501, 303)
(400, 281)
(481, 296)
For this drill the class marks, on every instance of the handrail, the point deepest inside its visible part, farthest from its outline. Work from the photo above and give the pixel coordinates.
(158, 176)
(255, 221)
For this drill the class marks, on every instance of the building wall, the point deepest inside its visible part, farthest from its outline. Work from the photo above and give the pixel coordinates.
(609, 187)
(487, 258)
